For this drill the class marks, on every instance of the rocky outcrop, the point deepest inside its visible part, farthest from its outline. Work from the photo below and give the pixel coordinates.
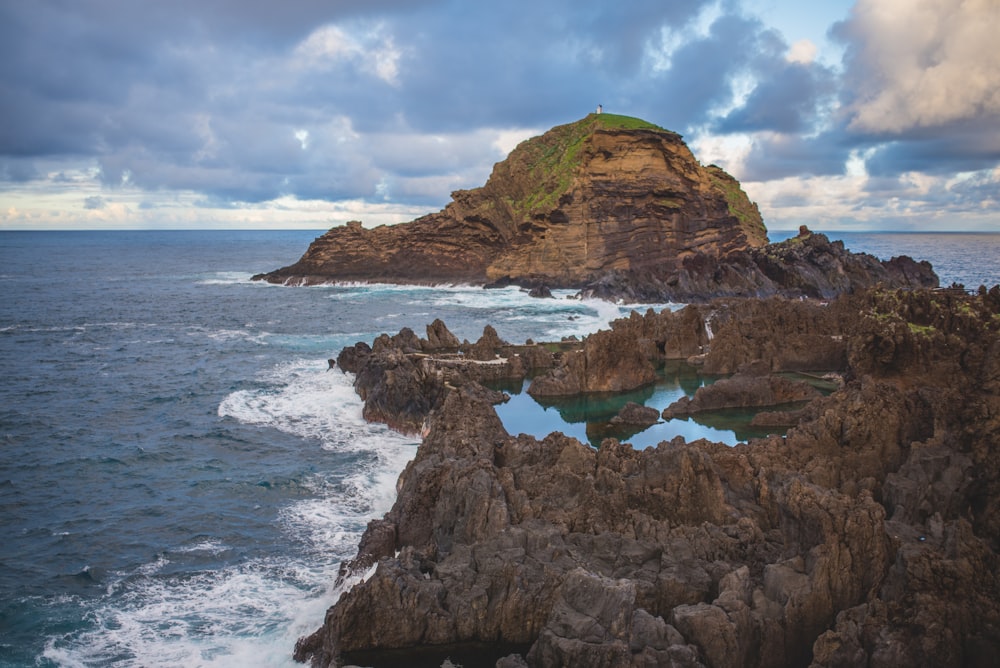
(866, 536)
(402, 378)
(809, 265)
(742, 391)
(609, 361)
(772, 335)
(604, 194)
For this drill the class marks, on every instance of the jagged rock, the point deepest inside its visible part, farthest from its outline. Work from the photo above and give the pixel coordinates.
(540, 292)
(352, 358)
(398, 390)
(403, 378)
(780, 334)
(866, 536)
(439, 338)
(777, 419)
(536, 358)
(608, 362)
(806, 266)
(487, 347)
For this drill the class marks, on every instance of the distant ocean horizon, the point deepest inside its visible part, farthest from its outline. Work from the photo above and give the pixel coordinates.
(180, 474)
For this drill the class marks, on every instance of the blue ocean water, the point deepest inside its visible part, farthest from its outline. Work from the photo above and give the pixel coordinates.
(180, 475)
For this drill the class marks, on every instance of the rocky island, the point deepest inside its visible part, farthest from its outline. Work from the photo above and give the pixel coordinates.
(612, 206)
(867, 535)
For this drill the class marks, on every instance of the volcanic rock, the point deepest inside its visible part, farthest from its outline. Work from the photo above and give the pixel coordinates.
(866, 536)
(439, 338)
(636, 414)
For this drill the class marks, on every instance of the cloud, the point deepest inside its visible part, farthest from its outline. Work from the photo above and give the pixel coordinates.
(802, 52)
(233, 105)
(371, 50)
(778, 155)
(915, 64)
(15, 170)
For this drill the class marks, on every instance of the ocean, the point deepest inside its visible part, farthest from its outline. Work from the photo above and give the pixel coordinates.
(180, 474)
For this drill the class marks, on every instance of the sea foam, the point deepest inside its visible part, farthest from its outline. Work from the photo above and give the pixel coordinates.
(252, 613)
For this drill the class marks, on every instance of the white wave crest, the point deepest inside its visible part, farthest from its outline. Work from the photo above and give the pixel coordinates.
(244, 615)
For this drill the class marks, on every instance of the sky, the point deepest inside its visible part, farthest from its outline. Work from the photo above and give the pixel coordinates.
(849, 115)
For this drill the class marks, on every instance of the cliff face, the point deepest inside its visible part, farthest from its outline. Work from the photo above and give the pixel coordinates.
(604, 194)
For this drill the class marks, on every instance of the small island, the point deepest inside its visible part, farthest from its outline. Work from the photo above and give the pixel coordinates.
(609, 205)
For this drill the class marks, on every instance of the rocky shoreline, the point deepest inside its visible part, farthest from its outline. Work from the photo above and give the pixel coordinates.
(868, 535)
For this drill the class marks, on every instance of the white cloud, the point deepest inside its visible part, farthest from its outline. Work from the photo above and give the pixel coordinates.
(802, 51)
(924, 63)
(372, 50)
(325, 46)
(727, 151)
(507, 140)
(303, 137)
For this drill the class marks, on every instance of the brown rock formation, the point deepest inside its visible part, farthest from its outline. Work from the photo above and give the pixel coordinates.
(742, 391)
(809, 265)
(606, 193)
(636, 414)
(867, 536)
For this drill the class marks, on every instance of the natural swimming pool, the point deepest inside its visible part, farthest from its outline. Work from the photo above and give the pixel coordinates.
(587, 417)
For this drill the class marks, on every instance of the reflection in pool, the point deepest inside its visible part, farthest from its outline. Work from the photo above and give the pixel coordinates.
(586, 418)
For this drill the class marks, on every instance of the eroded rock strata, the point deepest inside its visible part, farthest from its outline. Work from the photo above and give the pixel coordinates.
(609, 205)
(867, 536)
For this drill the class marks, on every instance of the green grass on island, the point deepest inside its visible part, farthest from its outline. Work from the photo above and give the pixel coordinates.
(553, 157)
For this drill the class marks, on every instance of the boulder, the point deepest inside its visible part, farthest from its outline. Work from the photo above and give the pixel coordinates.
(636, 414)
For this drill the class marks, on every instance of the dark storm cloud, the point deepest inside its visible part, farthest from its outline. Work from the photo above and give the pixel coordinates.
(700, 74)
(776, 156)
(789, 97)
(962, 149)
(15, 170)
(531, 63)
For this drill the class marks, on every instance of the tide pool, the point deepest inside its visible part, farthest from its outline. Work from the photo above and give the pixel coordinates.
(587, 418)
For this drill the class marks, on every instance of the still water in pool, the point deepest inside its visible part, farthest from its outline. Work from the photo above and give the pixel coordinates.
(587, 418)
